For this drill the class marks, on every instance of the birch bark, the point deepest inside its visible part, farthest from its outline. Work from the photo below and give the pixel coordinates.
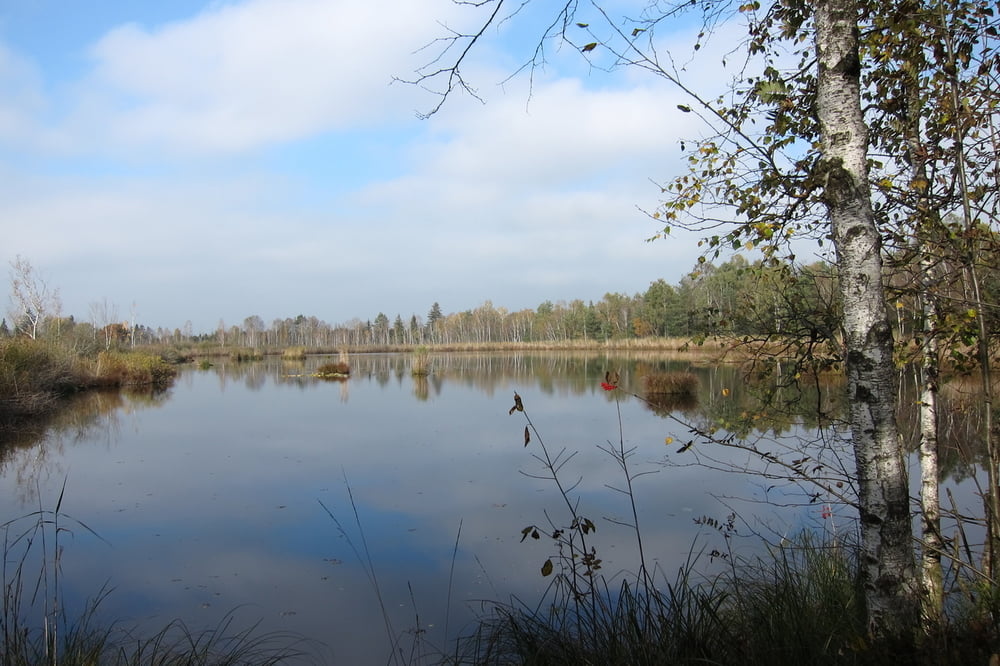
(886, 539)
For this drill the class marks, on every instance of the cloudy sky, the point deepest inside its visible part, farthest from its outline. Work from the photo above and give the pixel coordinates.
(197, 161)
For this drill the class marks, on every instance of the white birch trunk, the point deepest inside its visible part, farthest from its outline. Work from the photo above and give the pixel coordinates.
(887, 564)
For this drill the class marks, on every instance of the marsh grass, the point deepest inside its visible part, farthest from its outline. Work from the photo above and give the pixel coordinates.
(338, 369)
(36, 374)
(245, 354)
(294, 353)
(133, 369)
(798, 602)
(671, 383)
(333, 370)
(669, 391)
(420, 362)
(37, 628)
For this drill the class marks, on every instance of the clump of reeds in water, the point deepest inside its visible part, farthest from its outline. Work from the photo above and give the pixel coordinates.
(132, 369)
(294, 354)
(339, 369)
(420, 364)
(670, 391)
(245, 354)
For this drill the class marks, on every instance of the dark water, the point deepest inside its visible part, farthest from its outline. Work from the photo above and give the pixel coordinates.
(214, 498)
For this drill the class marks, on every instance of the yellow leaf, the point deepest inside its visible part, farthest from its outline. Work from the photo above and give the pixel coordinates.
(668, 440)
(725, 392)
(589, 47)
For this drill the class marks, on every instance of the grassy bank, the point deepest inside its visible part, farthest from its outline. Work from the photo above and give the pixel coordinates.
(682, 347)
(798, 604)
(34, 374)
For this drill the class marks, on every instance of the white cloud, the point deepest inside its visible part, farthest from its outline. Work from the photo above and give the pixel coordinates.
(23, 99)
(236, 77)
(523, 199)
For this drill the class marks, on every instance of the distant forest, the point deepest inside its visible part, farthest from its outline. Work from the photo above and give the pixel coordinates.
(758, 300)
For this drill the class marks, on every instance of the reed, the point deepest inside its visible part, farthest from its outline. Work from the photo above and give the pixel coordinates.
(294, 353)
(338, 369)
(800, 602)
(37, 628)
(671, 383)
(132, 369)
(420, 362)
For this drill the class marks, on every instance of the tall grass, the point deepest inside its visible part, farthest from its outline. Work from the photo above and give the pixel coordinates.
(420, 363)
(37, 629)
(132, 369)
(800, 602)
(34, 374)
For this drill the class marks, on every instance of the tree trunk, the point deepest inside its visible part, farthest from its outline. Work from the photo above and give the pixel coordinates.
(887, 565)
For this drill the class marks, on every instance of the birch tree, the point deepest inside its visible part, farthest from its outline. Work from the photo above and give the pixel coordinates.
(789, 150)
(883, 492)
(33, 300)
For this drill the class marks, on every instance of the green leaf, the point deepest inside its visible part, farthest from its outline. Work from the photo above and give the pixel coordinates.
(547, 568)
(589, 47)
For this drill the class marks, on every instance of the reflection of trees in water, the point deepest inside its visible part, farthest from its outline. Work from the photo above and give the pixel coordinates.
(961, 423)
(31, 453)
(772, 398)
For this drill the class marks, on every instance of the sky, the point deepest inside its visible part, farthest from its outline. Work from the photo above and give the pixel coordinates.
(192, 161)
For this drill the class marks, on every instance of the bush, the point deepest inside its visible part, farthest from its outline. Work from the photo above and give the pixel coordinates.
(132, 369)
(671, 383)
(33, 374)
(336, 369)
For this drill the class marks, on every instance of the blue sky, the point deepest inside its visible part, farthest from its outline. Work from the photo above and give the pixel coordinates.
(197, 161)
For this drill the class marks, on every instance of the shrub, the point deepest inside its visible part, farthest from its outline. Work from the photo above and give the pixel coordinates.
(671, 383)
(33, 374)
(336, 369)
(133, 369)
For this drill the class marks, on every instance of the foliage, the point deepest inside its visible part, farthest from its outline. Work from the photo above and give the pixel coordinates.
(132, 369)
(33, 374)
(800, 601)
(334, 369)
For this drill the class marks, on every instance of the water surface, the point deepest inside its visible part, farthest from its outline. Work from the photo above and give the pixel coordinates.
(216, 496)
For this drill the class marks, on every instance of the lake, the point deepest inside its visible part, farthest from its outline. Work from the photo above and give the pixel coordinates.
(257, 490)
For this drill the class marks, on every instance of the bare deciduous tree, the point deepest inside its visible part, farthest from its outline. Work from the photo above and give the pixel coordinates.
(32, 299)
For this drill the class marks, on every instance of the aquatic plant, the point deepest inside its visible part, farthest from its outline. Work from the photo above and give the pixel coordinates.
(37, 628)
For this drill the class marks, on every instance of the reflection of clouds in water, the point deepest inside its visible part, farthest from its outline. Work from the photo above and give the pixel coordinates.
(212, 501)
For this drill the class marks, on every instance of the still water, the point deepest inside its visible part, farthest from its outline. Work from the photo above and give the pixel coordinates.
(216, 497)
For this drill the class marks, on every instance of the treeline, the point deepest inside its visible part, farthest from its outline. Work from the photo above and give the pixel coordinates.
(737, 298)
(734, 297)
